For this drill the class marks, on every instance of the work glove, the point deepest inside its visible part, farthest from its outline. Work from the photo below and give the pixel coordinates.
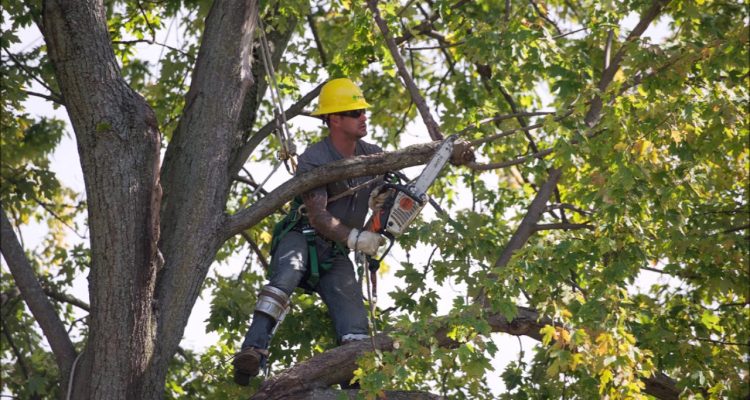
(365, 241)
(378, 197)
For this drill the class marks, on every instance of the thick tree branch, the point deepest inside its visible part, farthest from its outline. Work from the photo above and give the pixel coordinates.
(338, 364)
(533, 214)
(277, 41)
(347, 168)
(609, 73)
(419, 101)
(318, 42)
(197, 170)
(33, 294)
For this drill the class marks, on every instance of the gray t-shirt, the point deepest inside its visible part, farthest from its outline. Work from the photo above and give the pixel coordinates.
(350, 210)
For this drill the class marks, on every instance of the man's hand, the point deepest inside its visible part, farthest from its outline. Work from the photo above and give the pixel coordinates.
(378, 197)
(365, 241)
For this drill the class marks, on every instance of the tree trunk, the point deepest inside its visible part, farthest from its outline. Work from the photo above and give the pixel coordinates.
(196, 173)
(130, 341)
(118, 143)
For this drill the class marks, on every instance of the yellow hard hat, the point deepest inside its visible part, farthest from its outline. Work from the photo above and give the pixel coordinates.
(340, 95)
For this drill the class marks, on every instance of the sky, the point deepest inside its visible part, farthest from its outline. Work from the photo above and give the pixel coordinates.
(67, 167)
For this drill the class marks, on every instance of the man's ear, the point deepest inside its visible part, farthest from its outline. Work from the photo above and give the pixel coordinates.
(333, 119)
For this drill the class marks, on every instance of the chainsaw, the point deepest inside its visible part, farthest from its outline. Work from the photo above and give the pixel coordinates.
(405, 203)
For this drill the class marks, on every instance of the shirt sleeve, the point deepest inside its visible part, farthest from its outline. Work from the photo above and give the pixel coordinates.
(307, 161)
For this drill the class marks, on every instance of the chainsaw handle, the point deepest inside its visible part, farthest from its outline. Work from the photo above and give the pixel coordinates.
(377, 221)
(373, 263)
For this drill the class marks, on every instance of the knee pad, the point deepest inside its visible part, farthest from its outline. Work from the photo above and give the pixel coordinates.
(273, 302)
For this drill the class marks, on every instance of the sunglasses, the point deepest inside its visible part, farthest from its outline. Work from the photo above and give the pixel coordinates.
(351, 113)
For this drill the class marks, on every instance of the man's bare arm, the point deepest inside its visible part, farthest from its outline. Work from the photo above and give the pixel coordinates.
(320, 219)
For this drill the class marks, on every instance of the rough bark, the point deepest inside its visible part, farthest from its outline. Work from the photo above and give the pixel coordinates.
(196, 175)
(277, 41)
(118, 144)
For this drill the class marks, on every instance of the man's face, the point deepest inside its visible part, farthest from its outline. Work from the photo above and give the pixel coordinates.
(352, 123)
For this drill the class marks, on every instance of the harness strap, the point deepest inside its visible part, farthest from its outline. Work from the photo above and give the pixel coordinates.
(296, 219)
(312, 256)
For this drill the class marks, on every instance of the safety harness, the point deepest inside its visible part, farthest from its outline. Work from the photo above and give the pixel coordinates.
(296, 220)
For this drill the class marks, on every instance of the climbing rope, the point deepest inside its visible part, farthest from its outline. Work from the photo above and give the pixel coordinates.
(371, 300)
(288, 149)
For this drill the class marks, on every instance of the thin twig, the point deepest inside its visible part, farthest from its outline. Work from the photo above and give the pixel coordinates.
(256, 250)
(544, 16)
(569, 33)
(16, 352)
(722, 342)
(738, 228)
(49, 97)
(568, 207)
(445, 46)
(150, 26)
(30, 74)
(505, 164)
(502, 117)
(57, 217)
(564, 226)
(405, 7)
(65, 298)
(136, 41)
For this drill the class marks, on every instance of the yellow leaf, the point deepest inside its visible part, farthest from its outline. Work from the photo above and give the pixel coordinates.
(606, 377)
(384, 268)
(548, 333)
(637, 147)
(676, 136)
(642, 147)
(621, 146)
(265, 237)
(564, 336)
(576, 360)
(619, 76)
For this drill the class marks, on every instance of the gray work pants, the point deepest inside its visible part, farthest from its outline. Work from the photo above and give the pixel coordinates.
(337, 287)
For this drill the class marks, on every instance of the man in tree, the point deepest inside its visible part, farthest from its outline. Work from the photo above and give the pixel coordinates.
(310, 248)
